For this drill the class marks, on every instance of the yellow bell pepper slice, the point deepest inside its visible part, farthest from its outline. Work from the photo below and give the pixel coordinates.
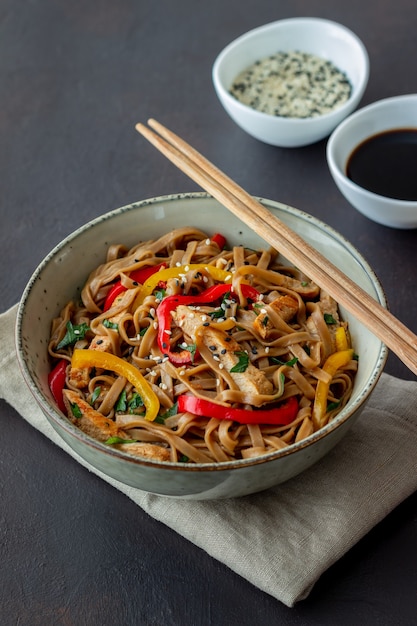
(341, 339)
(175, 272)
(333, 363)
(107, 361)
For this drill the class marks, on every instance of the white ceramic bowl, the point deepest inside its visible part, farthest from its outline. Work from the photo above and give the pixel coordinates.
(392, 113)
(320, 37)
(60, 277)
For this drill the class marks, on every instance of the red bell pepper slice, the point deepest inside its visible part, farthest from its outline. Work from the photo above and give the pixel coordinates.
(220, 240)
(168, 304)
(56, 382)
(139, 276)
(280, 416)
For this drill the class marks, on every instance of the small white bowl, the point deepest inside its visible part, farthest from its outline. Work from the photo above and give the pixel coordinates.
(389, 114)
(323, 38)
(59, 278)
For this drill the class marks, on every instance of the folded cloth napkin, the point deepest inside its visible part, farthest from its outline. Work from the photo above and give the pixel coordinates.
(283, 539)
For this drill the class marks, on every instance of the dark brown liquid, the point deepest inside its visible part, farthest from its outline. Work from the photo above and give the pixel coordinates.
(386, 164)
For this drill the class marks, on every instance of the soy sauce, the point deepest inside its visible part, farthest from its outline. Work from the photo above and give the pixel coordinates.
(386, 164)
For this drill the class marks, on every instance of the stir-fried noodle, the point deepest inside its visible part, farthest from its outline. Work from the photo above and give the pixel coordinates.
(183, 351)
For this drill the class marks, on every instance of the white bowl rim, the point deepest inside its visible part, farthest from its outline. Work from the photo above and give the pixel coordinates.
(333, 139)
(61, 423)
(356, 93)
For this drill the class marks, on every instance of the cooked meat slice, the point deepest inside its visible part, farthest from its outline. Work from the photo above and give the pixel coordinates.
(223, 348)
(91, 421)
(146, 450)
(285, 306)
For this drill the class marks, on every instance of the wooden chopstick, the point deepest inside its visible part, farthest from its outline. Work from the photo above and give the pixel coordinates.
(346, 292)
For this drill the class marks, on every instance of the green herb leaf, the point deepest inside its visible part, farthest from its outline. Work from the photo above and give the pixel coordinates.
(329, 319)
(75, 410)
(143, 331)
(95, 395)
(265, 320)
(121, 404)
(109, 324)
(135, 402)
(160, 419)
(183, 459)
(159, 294)
(332, 405)
(192, 347)
(73, 334)
(242, 364)
(216, 314)
(278, 361)
(112, 440)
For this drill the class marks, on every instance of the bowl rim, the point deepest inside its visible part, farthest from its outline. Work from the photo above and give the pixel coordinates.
(334, 138)
(59, 421)
(355, 96)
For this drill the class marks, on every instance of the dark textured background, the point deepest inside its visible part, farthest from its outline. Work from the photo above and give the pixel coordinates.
(74, 79)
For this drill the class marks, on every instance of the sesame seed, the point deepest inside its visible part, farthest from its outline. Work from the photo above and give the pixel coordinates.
(203, 318)
(178, 264)
(152, 312)
(168, 332)
(207, 242)
(266, 349)
(216, 358)
(155, 325)
(163, 386)
(205, 279)
(221, 366)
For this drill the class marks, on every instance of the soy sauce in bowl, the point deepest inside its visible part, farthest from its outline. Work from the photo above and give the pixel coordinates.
(386, 164)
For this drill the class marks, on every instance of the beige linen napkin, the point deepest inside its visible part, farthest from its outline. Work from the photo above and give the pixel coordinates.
(283, 539)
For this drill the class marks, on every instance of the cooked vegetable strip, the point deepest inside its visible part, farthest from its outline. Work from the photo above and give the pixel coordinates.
(334, 362)
(282, 415)
(107, 361)
(182, 350)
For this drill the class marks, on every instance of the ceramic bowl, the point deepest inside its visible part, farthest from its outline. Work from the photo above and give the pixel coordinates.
(60, 277)
(320, 37)
(399, 112)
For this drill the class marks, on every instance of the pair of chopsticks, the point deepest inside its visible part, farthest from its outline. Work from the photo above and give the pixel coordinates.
(346, 292)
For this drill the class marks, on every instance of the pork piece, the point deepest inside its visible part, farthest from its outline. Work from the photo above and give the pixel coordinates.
(91, 421)
(223, 347)
(285, 306)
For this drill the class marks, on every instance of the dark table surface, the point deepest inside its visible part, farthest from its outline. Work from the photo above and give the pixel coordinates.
(75, 78)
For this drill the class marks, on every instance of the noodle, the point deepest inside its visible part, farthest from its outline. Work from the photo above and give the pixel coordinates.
(235, 353)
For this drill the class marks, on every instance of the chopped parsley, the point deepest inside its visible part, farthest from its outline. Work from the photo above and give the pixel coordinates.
(95, 395)
(278, 361)
(242, 364)
(135, 402)
(73, 334)
(160, 419)
(109, 324)
(75, 410)
(329, 319)
(192, 348)
(121, 404)
(112, 440)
